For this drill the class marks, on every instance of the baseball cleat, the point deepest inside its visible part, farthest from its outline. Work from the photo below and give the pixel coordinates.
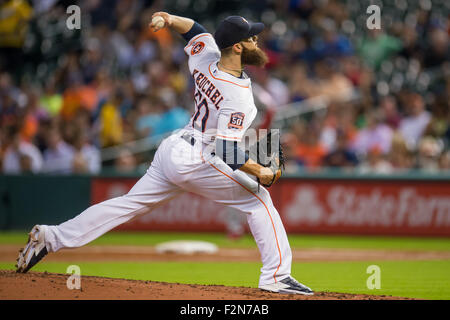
(288, 285)
(34, 250)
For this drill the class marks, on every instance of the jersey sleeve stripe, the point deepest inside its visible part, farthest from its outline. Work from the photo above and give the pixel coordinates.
(209, 68)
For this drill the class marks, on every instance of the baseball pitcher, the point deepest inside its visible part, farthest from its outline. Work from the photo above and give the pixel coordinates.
(204, 157)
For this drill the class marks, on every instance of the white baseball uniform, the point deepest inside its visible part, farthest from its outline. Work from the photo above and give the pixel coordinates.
(224, 108)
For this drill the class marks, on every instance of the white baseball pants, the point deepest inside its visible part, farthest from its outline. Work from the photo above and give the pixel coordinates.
(177, 167)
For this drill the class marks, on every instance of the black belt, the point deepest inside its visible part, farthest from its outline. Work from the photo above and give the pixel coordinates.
(190, 139)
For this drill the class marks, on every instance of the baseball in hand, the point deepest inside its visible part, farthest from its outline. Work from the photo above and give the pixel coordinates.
(158, 23)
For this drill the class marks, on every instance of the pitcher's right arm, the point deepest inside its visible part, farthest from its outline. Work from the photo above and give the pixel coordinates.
(187, 27)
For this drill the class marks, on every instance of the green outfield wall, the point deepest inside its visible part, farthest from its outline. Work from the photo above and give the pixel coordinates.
(29, 200)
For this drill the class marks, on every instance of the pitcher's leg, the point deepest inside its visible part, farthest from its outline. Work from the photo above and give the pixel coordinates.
(215, 181)
(271, 238)
(150, 191)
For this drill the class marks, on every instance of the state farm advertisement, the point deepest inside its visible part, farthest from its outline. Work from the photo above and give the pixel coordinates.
(366, 207)
(375, 207)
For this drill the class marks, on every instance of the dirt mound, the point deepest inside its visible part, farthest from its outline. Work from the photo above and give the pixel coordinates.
(49, 286)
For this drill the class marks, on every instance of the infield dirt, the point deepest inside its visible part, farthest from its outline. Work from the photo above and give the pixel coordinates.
(47, 286)
(51, 286)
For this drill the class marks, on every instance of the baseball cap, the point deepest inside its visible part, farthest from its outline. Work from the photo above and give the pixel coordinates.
(234, 29)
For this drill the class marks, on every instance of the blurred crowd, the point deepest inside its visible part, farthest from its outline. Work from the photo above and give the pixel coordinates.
(67, 94)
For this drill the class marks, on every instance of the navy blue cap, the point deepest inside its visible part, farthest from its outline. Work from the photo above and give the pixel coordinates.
(234, 29)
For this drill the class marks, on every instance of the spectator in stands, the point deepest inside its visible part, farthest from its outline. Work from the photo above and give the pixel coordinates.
(9, 101)
(400, 155)
(26, 164)
(301, 49)
(444, 161)
(438, 51)
(375, 162)
(173, 116)
(300, 85)
(86, 157)
(59, 155)
(413, 126)
(32, 114)
(411, 47)
(438, 125)
(375, 134)
(331, 43)
(111, 132)
(149, 114)
(160, 115)
(389, 110)
(339, 120)
(342, 155)
(429, 151)
(330, 82)
(377, 47)
(21, 156)
(51, 100)
(310, 152)
(125, 162)
(14, 18)
(352, 69)
(91, 60)
(274, 86)
(68, 75)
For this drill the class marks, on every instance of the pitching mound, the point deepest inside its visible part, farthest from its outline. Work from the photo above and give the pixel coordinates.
(48, 286)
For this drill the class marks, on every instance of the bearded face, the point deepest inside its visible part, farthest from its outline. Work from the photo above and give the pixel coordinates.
(255, 57)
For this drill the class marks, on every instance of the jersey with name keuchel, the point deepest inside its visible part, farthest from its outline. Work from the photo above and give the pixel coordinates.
(224, 105)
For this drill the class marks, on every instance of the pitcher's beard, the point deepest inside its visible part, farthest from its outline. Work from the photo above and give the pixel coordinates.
(255, 57)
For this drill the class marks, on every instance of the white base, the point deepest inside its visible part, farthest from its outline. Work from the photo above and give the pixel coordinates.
(186, 247)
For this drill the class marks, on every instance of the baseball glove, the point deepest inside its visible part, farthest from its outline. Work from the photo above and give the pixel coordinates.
(262, 153)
